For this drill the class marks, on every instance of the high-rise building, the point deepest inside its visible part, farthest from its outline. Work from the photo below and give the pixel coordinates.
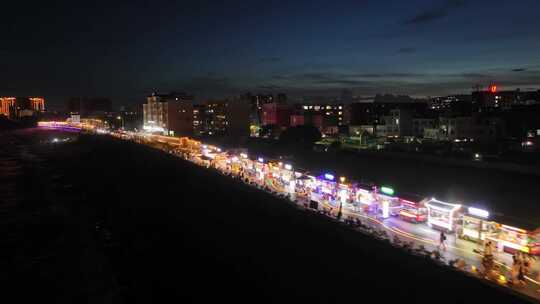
(276, 114)
(238, 118)
(329, 115)
(7, 105)
(17, 107)
(216, 117)
(169, 114)
(229, 117)
(494, 99)
(199, 119)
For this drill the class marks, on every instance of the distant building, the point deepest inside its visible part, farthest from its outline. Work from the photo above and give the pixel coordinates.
(493, 99)
(399, 122)
(419, 124)
(453, 105)
(18, 107)
(89, 106)
(276, 114)
(282, 98)
(327, 117)
(128, 118)
(238, 118)
(199, 119)
(452, 128)
(216, 117)
(397, 117)
(229, 117)
(169, 114)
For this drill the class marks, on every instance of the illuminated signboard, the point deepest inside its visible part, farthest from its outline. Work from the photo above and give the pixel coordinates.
(478, 212)
(329, 176)
(387, 190)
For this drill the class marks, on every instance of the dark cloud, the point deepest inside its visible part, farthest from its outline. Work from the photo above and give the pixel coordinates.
(390, 75)
(270, 59)
(474, 75)
(519, 70)
(406, 50)
(269, 87)
(342, 82)
(436, 13)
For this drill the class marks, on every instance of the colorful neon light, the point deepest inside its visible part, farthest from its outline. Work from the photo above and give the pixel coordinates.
(515, 229)
(387, 190)
(386, 209)
(478, 212)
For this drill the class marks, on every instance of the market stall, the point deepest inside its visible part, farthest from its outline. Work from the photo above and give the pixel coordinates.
(260, 170)
(303, 185)
(441, 215)
(476, 225)
(510, 239)
(388, 203)
(364, 198)
(413, 208)
(327, 188)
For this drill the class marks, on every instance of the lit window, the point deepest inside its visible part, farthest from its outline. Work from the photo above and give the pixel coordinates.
(328, 107)
(305, 107)
(340, 113)
(340, 107)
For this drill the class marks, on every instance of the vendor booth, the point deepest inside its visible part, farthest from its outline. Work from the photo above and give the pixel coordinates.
(441, 215)
(364, 198)
(388, 203)
(413, 208)
(476, 225)
(510, 239)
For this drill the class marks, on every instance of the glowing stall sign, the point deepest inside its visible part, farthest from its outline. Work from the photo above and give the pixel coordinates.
(261, 160)
(288, 167)
(343, 195)
(329, 176)
(387, 190)
(386, 209)
(478, 212)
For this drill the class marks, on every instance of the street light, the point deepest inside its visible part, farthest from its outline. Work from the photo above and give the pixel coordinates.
(121, 120)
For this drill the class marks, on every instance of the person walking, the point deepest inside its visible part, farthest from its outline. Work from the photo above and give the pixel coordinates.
(515, 269)
(442, 241)
(488, 257)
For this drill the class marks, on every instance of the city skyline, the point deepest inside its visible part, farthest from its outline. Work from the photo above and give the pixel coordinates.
(125, 51)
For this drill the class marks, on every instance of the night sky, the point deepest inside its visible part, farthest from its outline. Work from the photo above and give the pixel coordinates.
(217, 48)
